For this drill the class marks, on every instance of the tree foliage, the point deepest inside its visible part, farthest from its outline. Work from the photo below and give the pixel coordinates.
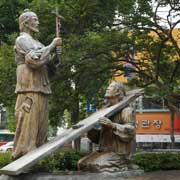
(157, 50)
(99, 38)
(88, 42)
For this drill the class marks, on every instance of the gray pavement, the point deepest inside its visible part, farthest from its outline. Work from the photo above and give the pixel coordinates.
(159, 175)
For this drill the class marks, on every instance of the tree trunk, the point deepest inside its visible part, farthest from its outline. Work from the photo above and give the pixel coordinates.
(77, 144)
(133, 150)
(172, 109)
(75, 119)
(172, 129)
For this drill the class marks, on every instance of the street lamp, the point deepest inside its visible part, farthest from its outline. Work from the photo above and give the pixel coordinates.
(2, 110)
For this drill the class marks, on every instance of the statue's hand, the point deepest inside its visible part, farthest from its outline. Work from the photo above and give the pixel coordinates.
(35, 54)
(129, 130)
(57, 41)
(106, 122)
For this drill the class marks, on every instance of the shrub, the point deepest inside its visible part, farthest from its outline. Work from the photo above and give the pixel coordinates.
(67, 160)
(158, 161)
(5, 158)
(59, 161)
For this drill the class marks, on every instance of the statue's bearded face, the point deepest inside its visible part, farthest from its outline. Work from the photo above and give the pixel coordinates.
(114, 93)
(112, 100)
(33, 24)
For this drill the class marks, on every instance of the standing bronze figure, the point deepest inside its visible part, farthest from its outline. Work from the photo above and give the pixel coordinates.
(33, 86)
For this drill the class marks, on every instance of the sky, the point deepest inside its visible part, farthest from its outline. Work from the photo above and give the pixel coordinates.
(163, 12)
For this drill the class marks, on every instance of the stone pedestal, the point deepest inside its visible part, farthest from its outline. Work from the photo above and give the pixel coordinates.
(76, 176)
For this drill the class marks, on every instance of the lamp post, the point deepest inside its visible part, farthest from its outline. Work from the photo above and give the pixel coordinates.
(2, 110)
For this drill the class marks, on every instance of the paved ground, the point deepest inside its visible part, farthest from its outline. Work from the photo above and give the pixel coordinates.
(160, 175)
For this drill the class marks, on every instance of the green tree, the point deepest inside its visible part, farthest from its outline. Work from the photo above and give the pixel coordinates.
(157, 59)
(89, 40)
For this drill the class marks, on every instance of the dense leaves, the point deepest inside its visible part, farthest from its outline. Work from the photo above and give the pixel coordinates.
(88, 42)
(67, 160)
(61, 160)
(99, 38)
(157, 161)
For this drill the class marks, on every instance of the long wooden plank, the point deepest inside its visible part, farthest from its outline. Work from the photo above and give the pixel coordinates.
(28, 160)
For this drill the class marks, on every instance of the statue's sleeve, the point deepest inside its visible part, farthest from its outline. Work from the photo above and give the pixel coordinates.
(94, 135)
(23, 45)
(33, 58)
(126, 131)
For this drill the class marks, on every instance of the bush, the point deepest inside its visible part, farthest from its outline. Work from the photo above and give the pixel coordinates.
(158, 161)
(59, 161)
(67, 160)
(5, 158)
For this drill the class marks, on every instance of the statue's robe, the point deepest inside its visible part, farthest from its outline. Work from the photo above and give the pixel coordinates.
(32, 89)
(115, 145)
